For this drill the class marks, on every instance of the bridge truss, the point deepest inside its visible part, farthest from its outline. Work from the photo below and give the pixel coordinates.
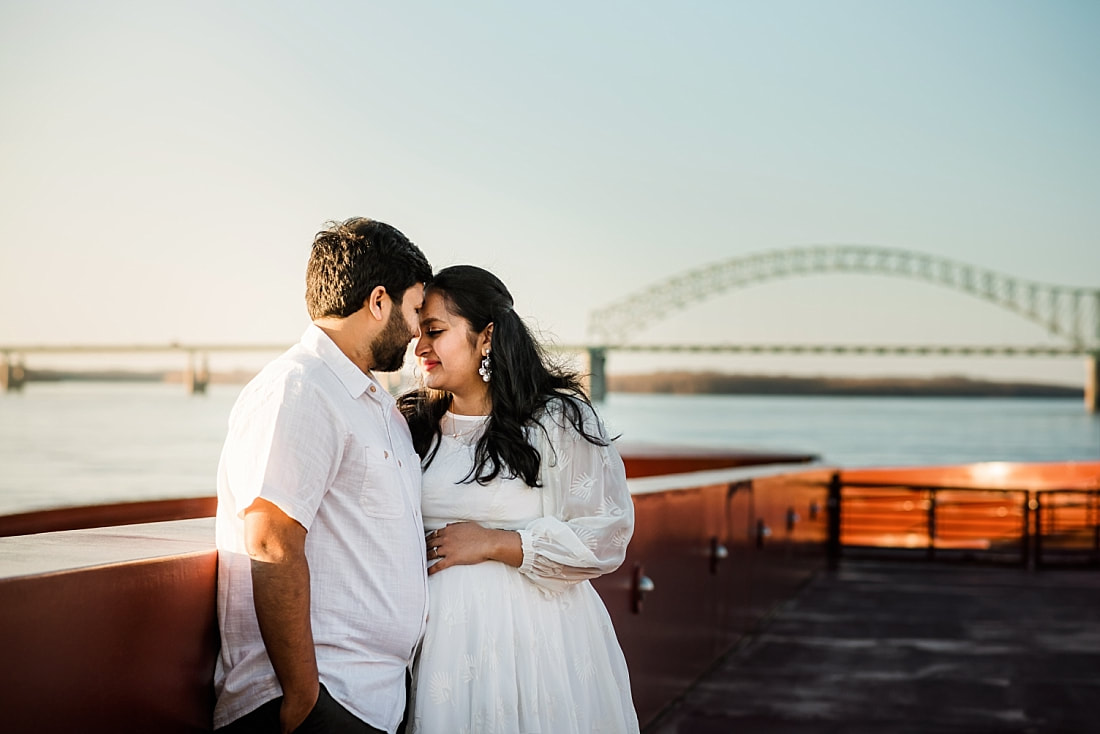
(1070, 313)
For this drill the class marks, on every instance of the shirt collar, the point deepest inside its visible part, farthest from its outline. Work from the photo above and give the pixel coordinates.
(355, 381)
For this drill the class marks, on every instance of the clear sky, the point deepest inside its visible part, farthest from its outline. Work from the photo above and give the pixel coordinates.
(164, 166)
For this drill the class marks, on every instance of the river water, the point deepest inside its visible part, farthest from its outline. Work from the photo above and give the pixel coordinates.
(82, 443)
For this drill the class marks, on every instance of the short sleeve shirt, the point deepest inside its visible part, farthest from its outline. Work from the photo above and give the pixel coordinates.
(325, 443)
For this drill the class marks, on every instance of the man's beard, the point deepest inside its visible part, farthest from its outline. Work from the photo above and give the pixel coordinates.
(388, 350)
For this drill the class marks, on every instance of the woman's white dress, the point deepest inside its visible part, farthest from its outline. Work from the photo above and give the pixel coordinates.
(528, 650)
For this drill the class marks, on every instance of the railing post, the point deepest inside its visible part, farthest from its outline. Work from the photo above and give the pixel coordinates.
(1037, 504)
(932, 525)
(12, 373)
(832, 505)
(1025, 533)
(1094, 511)
(197, 377)
(1092, 383)
(597, 374)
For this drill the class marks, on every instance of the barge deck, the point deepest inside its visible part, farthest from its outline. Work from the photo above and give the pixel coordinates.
(900, 647)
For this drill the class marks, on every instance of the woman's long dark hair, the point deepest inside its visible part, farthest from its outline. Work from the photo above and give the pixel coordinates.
(523, 384)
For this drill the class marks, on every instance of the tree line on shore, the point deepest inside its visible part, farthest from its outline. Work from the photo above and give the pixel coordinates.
(719, 383)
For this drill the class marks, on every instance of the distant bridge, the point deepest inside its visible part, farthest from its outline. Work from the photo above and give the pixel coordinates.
(197, 376)
(1071, 314)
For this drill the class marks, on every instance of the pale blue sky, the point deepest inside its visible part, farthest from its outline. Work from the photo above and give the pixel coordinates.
(163, 166)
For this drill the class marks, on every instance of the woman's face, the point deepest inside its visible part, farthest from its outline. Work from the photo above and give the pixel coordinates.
(448, 353)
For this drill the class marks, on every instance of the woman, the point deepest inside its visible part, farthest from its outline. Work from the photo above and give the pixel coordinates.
(525, 500)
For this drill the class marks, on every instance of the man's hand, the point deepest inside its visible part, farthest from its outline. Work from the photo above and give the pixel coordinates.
(280, 590)
(294, 711)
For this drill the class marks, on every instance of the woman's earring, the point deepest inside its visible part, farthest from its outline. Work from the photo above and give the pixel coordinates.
(486, 370)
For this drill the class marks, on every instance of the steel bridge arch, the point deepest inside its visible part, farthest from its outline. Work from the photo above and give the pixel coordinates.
(1071, 313)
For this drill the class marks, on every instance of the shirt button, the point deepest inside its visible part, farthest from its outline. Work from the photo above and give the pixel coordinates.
(399, 463)
(372, 389)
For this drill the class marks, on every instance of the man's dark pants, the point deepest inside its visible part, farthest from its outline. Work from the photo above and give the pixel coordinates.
(327, 717)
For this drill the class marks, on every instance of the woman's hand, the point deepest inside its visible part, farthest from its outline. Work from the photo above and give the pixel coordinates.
(467, 543)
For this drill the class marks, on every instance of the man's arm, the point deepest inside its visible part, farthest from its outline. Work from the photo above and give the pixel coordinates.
(280, 589)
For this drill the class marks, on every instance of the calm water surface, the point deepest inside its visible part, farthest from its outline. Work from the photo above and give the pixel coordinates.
(80, 443)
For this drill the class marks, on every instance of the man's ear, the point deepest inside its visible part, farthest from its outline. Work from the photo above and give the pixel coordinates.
(376, 301)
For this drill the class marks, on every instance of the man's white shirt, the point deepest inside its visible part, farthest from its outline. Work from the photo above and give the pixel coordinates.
(326, 444)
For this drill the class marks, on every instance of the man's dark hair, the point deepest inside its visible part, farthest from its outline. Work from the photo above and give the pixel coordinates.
(351, 258)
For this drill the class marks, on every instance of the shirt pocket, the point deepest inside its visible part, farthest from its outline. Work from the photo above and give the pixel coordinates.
(383, 490)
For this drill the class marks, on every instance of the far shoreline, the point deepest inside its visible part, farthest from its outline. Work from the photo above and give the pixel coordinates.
(719, 383)
(682, 382)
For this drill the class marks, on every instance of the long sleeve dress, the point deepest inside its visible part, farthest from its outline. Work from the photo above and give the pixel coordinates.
(531, 649)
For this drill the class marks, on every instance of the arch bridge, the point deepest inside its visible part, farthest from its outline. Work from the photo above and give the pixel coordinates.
(1071, 314)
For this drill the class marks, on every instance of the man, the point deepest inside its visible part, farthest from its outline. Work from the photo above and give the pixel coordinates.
(322, 587)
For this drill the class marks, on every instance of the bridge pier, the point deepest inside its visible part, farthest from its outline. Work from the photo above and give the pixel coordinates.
(197, 376)
(12, 373)
(597, 374)
(1092, 383)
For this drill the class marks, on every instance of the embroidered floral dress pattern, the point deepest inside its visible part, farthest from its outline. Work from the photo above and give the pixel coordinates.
(531, 649)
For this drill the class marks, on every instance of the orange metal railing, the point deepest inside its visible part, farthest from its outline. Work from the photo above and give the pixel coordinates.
(1067, 527)
(876, 513)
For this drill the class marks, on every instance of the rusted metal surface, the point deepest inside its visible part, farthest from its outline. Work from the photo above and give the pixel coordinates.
(714, 575)
(646, 460)
(117, 645)
(106, 515)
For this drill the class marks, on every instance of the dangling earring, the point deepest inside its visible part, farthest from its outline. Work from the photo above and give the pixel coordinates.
(486, 370)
